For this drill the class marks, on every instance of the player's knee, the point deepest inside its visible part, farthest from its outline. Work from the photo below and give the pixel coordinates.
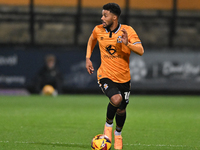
(121, 112)
(116, 99)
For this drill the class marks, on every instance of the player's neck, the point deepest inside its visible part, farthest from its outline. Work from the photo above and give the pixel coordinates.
(114, 26)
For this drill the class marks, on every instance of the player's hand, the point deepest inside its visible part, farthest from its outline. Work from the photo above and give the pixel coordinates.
(124, 36)
(89, 66)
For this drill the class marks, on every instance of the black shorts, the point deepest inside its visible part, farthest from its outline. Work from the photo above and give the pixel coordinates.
(111, 88)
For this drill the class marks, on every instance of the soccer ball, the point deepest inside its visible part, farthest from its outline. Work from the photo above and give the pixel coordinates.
(48, 90)
(101, 142)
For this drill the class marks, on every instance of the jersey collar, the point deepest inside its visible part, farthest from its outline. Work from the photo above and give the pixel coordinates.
(115, 30)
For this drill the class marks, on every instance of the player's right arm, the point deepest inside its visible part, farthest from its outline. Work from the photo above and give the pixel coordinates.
(90, 46)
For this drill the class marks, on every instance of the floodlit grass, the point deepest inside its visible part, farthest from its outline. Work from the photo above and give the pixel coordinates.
(71, 121)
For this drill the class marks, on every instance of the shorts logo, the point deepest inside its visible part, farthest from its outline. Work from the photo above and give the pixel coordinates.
(105, 86)
(119, 40)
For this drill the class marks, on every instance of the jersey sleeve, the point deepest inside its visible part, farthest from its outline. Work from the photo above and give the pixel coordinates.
(91, 43)
(132, 36)
(94, 33)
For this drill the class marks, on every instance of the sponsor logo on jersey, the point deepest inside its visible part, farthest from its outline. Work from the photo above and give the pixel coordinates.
(111, 50)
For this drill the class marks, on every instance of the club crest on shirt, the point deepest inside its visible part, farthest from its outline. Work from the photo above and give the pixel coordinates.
(119, 40)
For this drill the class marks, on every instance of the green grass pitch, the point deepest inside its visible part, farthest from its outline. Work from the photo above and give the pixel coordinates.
(71, 121)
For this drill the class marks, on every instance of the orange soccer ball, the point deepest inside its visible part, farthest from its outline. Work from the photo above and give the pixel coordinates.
(48, 90)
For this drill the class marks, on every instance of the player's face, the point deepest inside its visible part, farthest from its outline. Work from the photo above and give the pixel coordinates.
(107, 18)
(50, 64)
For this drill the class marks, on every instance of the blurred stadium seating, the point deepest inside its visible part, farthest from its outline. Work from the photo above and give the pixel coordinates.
(65, 23)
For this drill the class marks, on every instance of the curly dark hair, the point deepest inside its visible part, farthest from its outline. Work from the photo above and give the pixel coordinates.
(113, 8)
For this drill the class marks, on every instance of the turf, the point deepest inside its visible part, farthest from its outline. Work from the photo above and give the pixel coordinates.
(71, 121)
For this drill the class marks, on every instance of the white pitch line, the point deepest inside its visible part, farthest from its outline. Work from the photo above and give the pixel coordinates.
(156, 145)
(139, 144)
(23, 142)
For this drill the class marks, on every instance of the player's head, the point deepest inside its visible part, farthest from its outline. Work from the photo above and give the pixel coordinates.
(113, 8)
(110, 13)
(50, 61)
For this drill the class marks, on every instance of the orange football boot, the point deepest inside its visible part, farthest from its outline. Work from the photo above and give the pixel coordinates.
(108, 132)
(118, 142)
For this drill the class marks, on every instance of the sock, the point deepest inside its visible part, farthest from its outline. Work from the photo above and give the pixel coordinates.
(120, 120)
(109, 125)
(117, 133)
(111, 111)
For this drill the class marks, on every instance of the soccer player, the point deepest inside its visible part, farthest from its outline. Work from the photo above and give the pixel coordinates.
(116, 41)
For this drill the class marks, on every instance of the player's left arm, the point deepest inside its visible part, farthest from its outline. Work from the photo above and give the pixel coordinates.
(136, 46)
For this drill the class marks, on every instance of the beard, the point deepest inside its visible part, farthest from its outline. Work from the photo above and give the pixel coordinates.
(108, 26)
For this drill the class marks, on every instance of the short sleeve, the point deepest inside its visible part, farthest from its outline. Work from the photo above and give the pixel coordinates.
(132, 36)
(94, 33)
